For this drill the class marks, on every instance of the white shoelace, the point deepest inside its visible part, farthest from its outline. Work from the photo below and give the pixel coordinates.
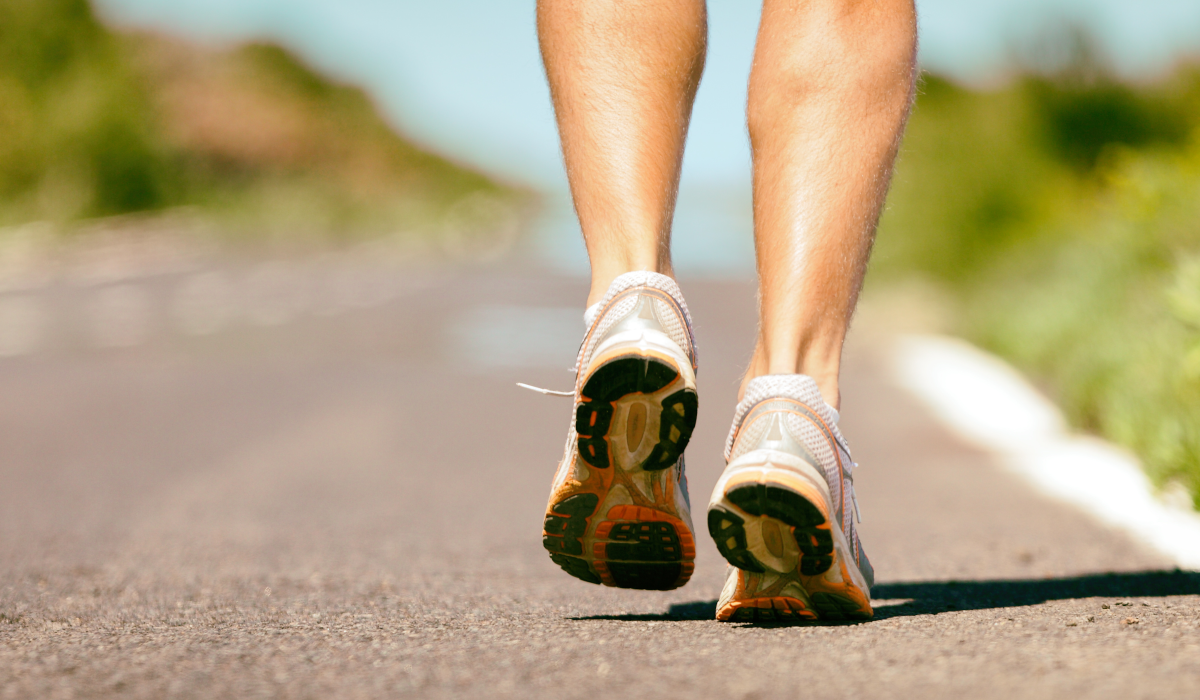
(588, 317)
(853, 497)
(547, 392)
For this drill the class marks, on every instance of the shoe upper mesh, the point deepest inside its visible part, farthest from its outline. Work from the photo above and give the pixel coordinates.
(753, 434)
(799, 387)
(677, 323)
(674, 325)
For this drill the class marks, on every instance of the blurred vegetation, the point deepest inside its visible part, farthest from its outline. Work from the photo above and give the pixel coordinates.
(1061, 214)
(95, 123)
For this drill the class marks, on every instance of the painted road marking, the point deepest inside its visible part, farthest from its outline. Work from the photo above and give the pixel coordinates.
(991, 405)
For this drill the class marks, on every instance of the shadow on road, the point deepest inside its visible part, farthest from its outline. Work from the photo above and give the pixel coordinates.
(926, 597)
(931, 597)
(694, 610)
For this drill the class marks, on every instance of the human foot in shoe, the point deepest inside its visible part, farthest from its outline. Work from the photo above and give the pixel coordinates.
(619, 512)
(781, 512)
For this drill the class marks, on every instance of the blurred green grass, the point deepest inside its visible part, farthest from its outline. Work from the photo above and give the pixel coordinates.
(96, 123)
(1061, 216)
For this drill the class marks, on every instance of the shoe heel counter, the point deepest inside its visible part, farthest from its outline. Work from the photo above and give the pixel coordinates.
(644, 312)
(765, 428)
(640, 318)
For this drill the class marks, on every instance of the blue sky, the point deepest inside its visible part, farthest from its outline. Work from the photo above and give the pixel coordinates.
(463, 77)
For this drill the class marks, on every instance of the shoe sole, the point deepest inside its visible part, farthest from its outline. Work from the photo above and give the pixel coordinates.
(636, 416)
(773, 524)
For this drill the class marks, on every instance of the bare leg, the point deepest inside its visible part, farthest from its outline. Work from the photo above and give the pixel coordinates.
(830, 91)
(623, 75)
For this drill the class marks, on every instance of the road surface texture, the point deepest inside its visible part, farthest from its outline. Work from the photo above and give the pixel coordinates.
(347, 504)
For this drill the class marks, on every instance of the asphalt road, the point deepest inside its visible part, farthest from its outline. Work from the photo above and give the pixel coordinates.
(348, 504)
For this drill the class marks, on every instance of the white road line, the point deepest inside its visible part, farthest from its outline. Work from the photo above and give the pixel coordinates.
(991, 405)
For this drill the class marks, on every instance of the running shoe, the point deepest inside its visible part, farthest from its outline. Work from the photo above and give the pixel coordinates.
(782, 512)
(619, 512)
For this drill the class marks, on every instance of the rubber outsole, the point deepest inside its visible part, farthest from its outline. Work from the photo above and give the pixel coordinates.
(618, 379)
(780, 509)
(808, 526)
(776, 609)
(641, 545)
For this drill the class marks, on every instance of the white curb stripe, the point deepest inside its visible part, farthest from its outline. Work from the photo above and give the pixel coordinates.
(991, 405)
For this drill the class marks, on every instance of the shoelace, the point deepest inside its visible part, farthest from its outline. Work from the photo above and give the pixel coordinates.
(573, 370)
(551, 392)
(548, 392)
(850, 475)
(853, 497)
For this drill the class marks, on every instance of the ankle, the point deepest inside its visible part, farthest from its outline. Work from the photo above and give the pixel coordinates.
(823, 368)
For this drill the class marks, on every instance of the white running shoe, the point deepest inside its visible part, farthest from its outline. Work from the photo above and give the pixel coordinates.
(619, 512)
(782, 510)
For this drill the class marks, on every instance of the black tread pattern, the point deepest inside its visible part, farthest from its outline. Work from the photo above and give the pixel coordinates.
(634, 541)
(835, 607)
(620, 378)
(744, 615)
(576, 567)
(728, 531)
(751, 614)
(648, 577)
(567, 522)
(592, 420)
(644, 555)
(815, 542)
(675, 430)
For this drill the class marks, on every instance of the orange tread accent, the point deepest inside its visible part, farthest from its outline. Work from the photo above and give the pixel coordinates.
(846, 590)
(782, 606)
(601, 568)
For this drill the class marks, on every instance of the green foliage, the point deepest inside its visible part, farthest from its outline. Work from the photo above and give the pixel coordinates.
(95, 123)
(77, 126)
(970, 182)
(1079, 120)
(41, 42)
(1064, 215)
